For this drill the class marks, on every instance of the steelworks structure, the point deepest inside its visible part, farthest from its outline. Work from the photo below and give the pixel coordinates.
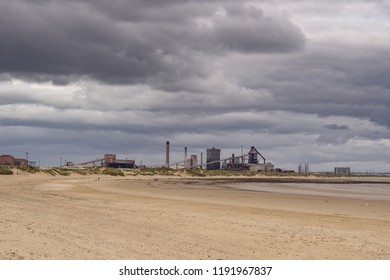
(238, 163)
(110, 160)
(213, 161)
(252, 156)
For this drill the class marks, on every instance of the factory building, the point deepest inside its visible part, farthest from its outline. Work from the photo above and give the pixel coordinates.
(342, 171)
(213, 159)
(110, 160)
(235, 164)
(8, 160)
(254, 164)
(191, 162)
(263, 167)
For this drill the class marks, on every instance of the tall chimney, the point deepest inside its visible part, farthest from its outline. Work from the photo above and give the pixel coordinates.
(185, 158)
(167, 155)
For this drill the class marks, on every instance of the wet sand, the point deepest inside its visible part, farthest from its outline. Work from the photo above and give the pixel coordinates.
(80, 217)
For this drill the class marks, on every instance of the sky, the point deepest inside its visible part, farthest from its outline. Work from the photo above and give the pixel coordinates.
(303, 81)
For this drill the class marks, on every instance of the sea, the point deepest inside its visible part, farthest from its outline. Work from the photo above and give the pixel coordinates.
(366, 191)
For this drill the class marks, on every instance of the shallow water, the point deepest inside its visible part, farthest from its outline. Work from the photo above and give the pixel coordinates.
(355, 191)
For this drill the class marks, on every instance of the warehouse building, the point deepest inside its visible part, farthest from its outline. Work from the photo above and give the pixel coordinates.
(110, 160)
(8, 160)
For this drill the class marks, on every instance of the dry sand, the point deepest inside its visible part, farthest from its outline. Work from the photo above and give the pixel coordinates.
(80, 217)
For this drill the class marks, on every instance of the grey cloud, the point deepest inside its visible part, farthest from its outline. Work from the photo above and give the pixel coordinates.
(249, 30)
(62, 41)
(384, 6)
(325, 82)
(337, 127)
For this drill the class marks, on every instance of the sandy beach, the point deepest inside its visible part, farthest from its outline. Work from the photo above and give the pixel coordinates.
(146, 217)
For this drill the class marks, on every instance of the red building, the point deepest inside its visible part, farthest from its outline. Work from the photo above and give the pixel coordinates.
(8, 160)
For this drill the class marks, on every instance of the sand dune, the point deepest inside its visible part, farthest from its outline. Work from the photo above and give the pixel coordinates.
(81, 217)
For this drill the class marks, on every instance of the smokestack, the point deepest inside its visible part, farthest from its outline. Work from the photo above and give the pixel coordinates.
(167, 155)
(242, 154)
(185, 158)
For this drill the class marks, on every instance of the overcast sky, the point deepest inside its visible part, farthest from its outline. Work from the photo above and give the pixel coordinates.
(303, 81)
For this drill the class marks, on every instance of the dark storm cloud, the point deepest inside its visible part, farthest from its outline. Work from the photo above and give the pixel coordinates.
(326, 81)
(63, 39)
(131, 41)
(248, 30)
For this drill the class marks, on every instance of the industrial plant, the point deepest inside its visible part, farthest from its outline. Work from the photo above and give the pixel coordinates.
(253, 160)
(249, 161)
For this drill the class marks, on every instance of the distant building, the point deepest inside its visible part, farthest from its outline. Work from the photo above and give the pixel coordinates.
(8, 160)
(303, 168)
(213, 159)
(342, 170)
(264, 167)
(110, 160)
(235, 164)
(191, 162)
